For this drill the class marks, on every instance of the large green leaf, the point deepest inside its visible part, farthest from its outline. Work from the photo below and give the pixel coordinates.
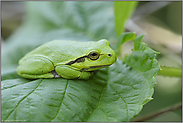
(116, 93)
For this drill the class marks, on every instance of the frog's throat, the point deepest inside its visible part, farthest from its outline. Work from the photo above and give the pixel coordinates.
(93, 67)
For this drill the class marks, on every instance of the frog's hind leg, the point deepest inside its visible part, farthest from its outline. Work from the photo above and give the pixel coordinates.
(36, 67)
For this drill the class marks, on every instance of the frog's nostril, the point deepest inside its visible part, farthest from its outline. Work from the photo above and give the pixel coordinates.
(109, 54)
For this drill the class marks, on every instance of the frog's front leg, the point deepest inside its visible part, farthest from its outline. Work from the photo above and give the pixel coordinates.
(69, 72)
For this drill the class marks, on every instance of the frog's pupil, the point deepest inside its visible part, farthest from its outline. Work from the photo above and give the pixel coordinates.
(94, 54)
(109, 54)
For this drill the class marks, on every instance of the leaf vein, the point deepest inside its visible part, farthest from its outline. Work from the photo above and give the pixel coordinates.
(61, 102)
(101, 95)
(124, 102)
(23, 99)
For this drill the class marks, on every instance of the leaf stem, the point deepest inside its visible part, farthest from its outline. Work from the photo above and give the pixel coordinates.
(148, 117)
(170, 71)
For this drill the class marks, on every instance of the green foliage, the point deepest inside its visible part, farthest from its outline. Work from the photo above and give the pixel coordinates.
(114, 94)
(124, 37)
(123, 10)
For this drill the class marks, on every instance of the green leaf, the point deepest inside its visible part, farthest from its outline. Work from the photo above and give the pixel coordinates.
(123, 10)
(114, 94)
(124, 37)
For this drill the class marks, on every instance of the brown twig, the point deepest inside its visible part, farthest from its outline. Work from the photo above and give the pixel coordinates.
(171, 108)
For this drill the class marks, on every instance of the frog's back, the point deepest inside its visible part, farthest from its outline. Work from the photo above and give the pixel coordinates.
(60, 50)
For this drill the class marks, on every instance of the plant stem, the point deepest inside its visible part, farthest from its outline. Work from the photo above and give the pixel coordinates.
(148, 117)
(170, 71)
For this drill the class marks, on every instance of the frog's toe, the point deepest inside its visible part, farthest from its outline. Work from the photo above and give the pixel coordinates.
(85, 75)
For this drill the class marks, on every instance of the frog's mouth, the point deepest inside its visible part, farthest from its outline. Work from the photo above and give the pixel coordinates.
(92, 68)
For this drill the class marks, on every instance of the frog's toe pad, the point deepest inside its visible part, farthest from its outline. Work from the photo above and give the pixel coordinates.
(55, 74)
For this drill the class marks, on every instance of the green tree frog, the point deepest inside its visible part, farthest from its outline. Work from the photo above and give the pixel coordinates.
(66, 59)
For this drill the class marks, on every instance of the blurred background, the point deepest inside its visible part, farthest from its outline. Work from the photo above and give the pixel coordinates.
(162, 24)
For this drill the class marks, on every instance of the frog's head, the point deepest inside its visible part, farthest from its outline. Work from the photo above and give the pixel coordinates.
(98, 55)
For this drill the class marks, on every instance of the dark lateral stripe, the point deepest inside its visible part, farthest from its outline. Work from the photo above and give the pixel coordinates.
(69, 63)
(78, 60)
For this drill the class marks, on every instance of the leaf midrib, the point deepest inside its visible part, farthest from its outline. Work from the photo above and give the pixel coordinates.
(101, 94)
(61, 102)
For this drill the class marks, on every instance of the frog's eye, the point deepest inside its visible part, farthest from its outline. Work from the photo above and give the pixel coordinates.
(93, 55)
